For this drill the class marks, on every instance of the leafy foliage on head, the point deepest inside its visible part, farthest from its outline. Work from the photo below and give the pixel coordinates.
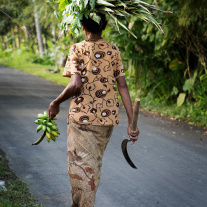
(71, 12)
(92, 26)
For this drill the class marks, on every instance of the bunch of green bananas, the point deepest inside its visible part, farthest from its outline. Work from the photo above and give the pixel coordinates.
(48, 126)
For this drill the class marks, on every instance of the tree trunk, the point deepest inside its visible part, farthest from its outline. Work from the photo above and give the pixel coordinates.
(18, 38)
(26, 34)
(140, 80)
(26, 38)
(56, 48)
(2, 42)
(13, 38)
(38, 30)
(6, 42)
(53, 34)
(45, 43)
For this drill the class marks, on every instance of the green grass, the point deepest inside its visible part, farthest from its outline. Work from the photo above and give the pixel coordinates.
(17, 194)
(23, 62)
(187, 112)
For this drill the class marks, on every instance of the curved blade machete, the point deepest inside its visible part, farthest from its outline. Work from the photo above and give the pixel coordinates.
(125, 153)
(134, 125)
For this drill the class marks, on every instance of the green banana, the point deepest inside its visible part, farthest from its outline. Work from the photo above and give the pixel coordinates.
(53, 138)
(49, 124)
(48, 129)
(53, 122)
(41, 116)
(39, 128)
(40, 121)
(44, 127)
(46, 114)
(54, 133)
(40, 139)
(45, 122)
(53, 127)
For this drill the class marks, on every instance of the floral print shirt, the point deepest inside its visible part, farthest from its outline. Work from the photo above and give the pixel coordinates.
(99, 64)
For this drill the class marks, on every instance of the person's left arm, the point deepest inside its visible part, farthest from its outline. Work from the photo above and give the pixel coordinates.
(71, 89)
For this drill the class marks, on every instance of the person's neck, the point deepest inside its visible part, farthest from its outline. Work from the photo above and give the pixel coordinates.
(93, 36)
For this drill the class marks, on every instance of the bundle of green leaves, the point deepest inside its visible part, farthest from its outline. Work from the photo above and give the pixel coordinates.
(70, 12)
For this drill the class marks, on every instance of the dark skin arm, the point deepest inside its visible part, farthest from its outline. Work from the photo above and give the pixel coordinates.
(71, 89)
(124, 92)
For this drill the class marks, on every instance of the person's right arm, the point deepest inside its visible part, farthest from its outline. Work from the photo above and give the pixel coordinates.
(75, 82)
(71, 89)
(124, 92)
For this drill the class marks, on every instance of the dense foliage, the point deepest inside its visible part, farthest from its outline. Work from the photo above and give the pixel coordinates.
(171, 66)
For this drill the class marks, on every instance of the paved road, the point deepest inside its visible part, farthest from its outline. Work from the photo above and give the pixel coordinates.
(171, 156)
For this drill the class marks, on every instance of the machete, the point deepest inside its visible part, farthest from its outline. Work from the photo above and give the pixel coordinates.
(134, 126)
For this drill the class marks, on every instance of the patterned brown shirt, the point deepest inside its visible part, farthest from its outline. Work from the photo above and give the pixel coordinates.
(99, 65)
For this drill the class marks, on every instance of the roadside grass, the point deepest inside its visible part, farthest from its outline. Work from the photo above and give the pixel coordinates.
(17, 194)
(187, 112)
(23, 62)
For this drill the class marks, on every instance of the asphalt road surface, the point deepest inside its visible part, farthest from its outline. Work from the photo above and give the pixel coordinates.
(171, 156)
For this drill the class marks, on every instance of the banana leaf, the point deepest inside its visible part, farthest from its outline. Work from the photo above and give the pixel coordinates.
(121, 24)
(105, 3)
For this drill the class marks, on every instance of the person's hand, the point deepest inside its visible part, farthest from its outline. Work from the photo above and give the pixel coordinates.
(133, 135)
(53, 109)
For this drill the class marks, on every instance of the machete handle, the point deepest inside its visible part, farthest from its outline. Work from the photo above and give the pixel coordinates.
(135, 113)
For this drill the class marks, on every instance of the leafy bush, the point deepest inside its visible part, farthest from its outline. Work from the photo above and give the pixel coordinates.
(170, 66)
(45, 60)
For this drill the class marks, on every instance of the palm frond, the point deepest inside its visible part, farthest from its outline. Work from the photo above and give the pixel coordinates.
(105, 3)
(116, 9)
(121, 24)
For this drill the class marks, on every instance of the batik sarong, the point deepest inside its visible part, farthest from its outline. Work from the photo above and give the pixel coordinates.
(85, 145)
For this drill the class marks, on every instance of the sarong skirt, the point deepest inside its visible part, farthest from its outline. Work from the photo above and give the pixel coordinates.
(85, 145)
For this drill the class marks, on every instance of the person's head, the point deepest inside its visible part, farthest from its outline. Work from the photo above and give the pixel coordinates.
(90, 26)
